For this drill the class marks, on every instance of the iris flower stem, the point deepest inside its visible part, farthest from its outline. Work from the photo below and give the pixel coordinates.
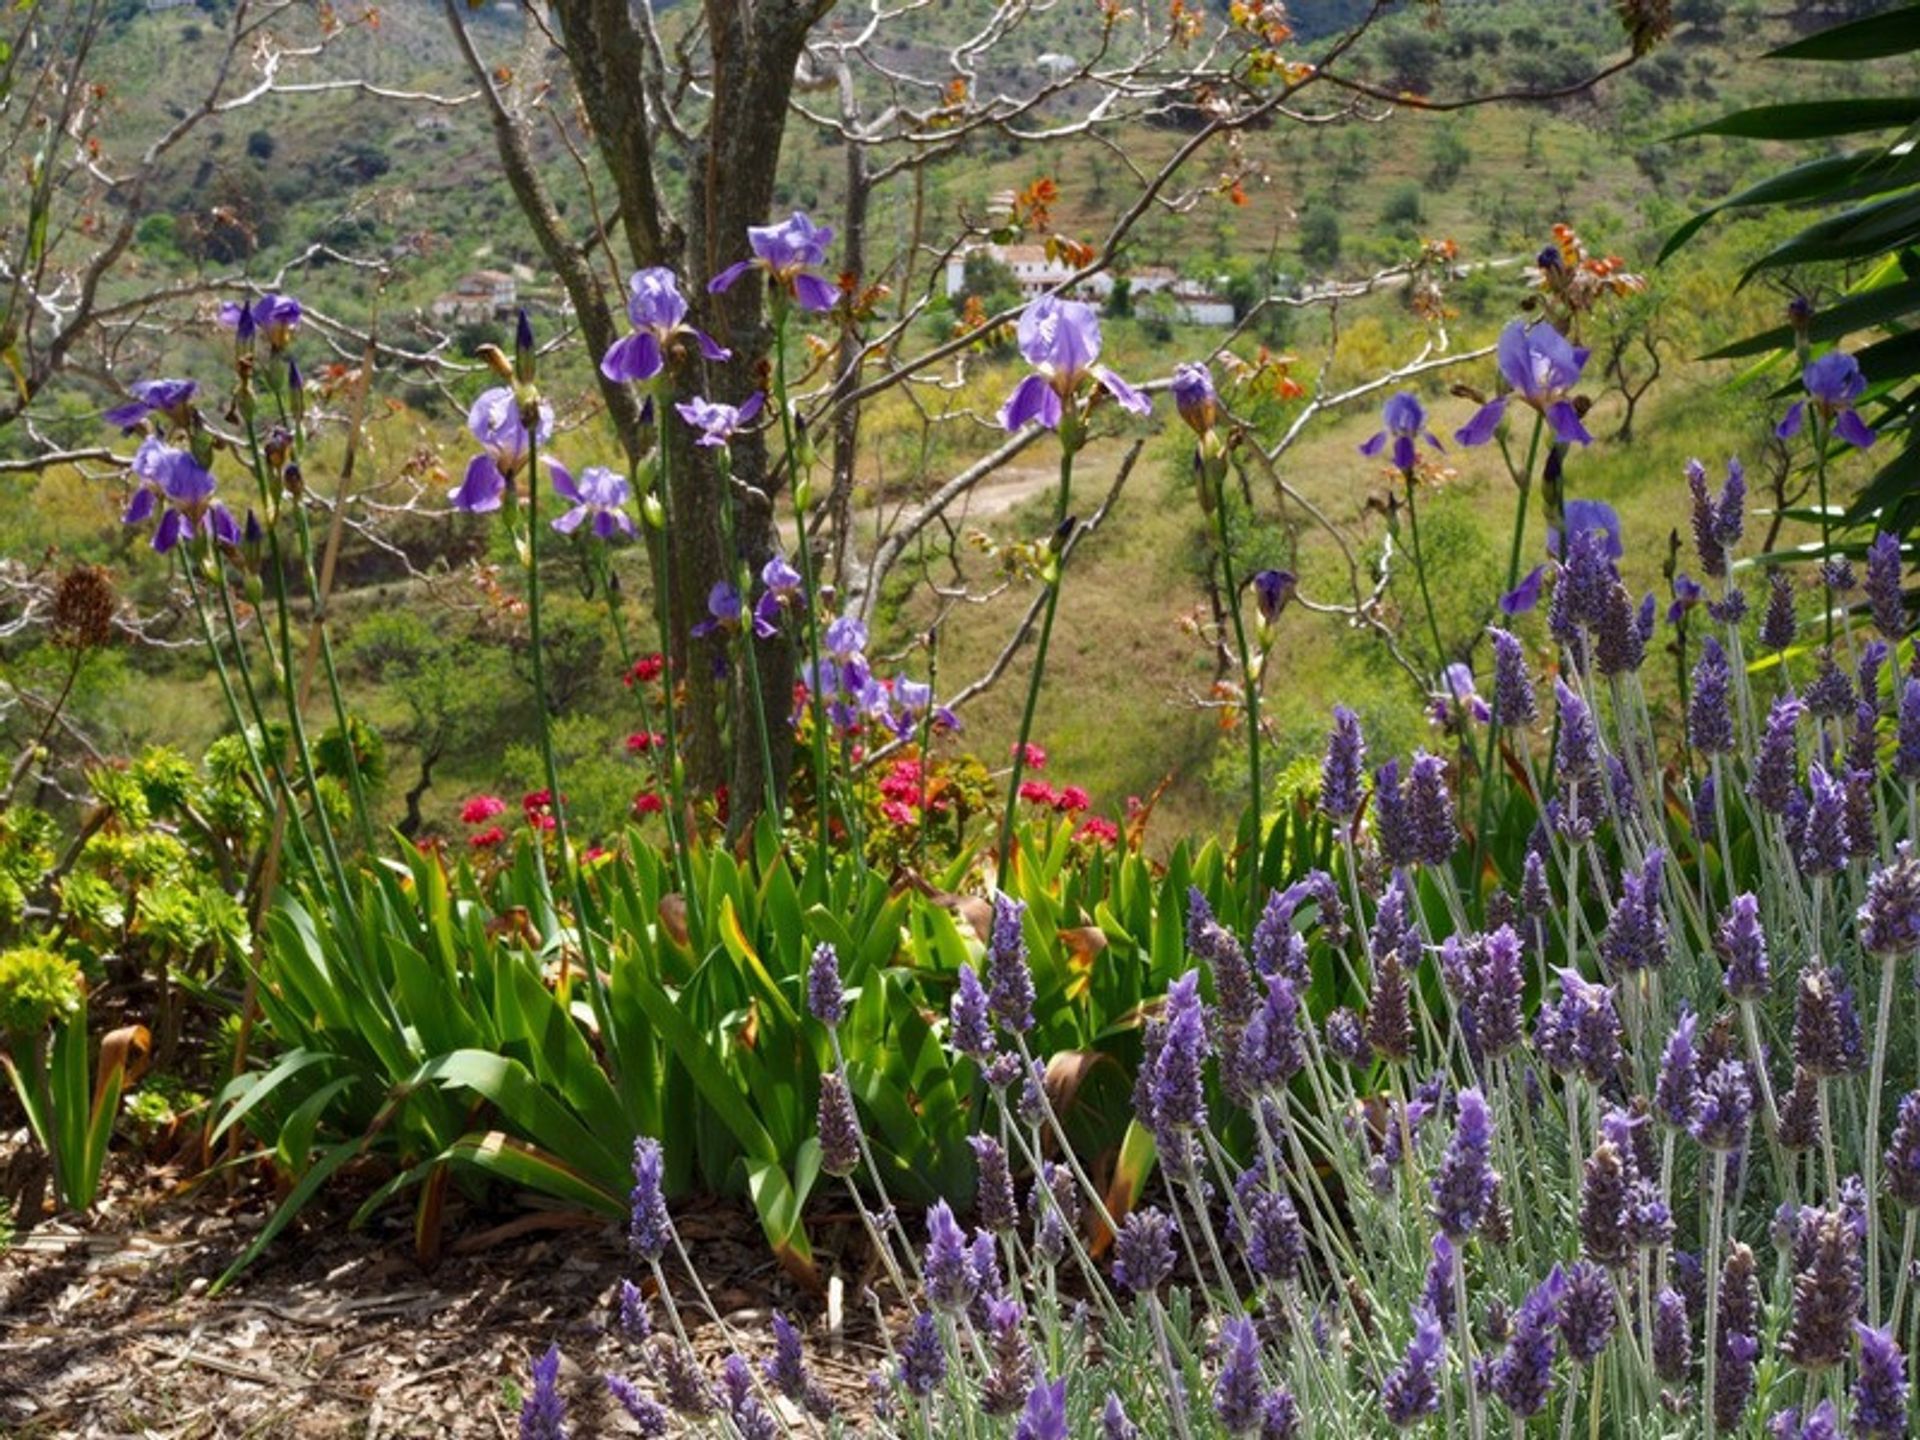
(676, 779)
(1523, 480)
(582, 914)
(1067, 447)
(1871, 1161)
(1819, 431)
(825, 787)
(1420, 569)
(749, 643)
(1251, 688)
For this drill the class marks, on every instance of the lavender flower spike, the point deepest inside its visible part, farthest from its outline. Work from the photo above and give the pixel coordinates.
(1879, 1393)
(1412, 1389)
(1890, 919)
(1884, 591)
(649, 1227)
(1061, 340)
(1236, 1393)
(1515, 706)
(1045, 1417)
(839, 1127)
(1009, 981)
(1143, 1251)
(543, 1414)
(1345, 763)
(1464, 1186)
(826, 1000)
(1522, 1375)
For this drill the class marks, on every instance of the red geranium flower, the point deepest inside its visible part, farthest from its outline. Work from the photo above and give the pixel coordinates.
(488, 838)
(641, 741)
(894, 813)
(482, 808)
(1038, 792)
(646, 670)
(1071, 800)
(648, 802)
(1036, 757)
(1099, 830)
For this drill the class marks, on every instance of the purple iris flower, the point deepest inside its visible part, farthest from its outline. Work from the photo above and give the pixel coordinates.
(1524, 596)
(782, 593)
(787, 252)
(1272, 589)
(175, 478)
(1834, 383)
(1061, 340)
(911, 698)
(1195, 397)
(723, 610)
(717, 422)
(494, 421)
(1542, 366)
(659, 313)
(1405, 419)
(274, 316)
(1585, 517)
(153, 397)
(1459, 695)
(599, 495)
(1687, 593)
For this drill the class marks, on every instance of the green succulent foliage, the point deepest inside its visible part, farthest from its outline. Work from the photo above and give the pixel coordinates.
(27, 839)
(1861, 192)
(38, 988)
(168, 779)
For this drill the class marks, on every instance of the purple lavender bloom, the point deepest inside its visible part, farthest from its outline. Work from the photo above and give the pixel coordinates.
(1411, 1391)
(1823, 848)
(1742, 945)
(1906, 758)
(1827, 1291)
(1143, 1251)
(1345, 762)
(1045, 1417)
(1823, 1024)
(1347, 1039)
(1276, 1245)
(1499, 993)
(718, 422)
(1061, 340)
(786, 1369)
(970, 1029)
(659, 313)
(1834, 383)
(1593, 1025)
(751, 1419)
(1779, 626)
(1880, 1391)
(1436, 1288)
(599, 495)
(788, 252)
(782, 593)
(1587, 1312)
(1430, 810)
(1515, 706)
(1522, 1374)
(1279, 1415)
(1542, 368)
(826, 1000)
(636, 1326)
(994, 1205)
(494, 420)
(951, 1279)
(1392, 827)
(923, 1360)
(1723, 1108)
(1829, 695)
(1706, 536)
(1524, 596)
(648, 1224)
(1620, 647)
(1463, 1187)
(1676, 1091)
(1114, 1424)
(1702, 817)
(1175, 1085)
(171, 398)
(1902, 1159)
(1636, 935)
(1404, 420)
(1890, 918)
(1236, 1391)
(1885, 594)
(1672, 1338)
(543, 1414)
(647, 1414)
(1709, 712)
(175, 478)
(1576, 764)
(839, 1126)
(1772, 784)
(1009, 981)
(1272, 1049)
(1602, 1214)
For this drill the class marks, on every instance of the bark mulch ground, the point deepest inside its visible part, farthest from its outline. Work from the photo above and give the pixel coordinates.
(107, 1326)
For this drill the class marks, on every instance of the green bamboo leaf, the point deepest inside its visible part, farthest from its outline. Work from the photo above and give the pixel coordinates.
(1894, 32)
(1813, 119)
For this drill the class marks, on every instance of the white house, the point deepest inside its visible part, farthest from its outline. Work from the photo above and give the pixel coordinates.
(1037, 274)
(477, 296)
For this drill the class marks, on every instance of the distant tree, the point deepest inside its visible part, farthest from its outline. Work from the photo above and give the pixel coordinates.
(1448, 153)
(1120, 299)
(1320, 236)
(261, 145)
(1411, 56)
(1405, 208)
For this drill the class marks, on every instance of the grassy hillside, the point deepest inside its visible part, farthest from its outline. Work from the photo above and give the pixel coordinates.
(418, 186)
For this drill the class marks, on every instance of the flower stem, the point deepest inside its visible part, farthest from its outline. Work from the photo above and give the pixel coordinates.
(1251, 689)
(1053, 583)
(1713, 1286)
